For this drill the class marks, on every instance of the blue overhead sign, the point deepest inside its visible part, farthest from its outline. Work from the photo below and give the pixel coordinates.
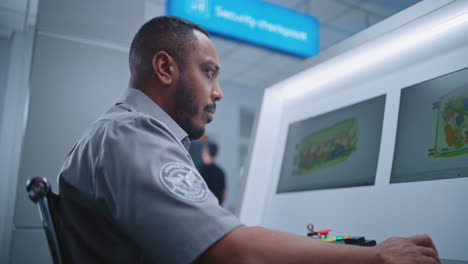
(253, 21)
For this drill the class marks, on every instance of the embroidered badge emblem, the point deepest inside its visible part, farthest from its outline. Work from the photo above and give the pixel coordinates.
(183, 182)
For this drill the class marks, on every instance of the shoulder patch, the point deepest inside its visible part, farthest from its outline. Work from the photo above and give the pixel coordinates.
(183, 181)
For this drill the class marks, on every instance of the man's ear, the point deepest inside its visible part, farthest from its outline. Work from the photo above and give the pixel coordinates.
(165, 67)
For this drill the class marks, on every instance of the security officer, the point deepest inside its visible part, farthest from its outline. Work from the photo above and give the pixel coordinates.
(129, 189)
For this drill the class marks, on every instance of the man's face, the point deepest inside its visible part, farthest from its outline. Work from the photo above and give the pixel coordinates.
(197, 89)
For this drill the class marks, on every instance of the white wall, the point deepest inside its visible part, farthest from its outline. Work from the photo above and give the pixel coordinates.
(13, 119)
(79, 68)
(435, 207)
(225, 130)
(4, 58)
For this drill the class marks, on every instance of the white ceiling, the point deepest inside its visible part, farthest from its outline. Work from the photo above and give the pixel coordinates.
(244, 65)
(248, 66)
(16, 15)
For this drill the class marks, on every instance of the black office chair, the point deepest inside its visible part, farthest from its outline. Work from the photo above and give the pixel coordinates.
(48, 203)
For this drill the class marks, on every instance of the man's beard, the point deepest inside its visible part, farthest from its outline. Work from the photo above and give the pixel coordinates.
(186, 109)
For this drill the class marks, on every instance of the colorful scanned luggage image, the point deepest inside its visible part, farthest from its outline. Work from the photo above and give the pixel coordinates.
(452, 125)
(327, 147)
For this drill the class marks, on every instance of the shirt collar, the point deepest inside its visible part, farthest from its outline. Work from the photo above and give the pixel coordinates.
(144, 104)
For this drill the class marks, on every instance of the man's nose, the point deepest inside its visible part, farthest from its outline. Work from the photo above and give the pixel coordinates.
(217, 93)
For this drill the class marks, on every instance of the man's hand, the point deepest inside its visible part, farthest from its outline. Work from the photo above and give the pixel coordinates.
(252, 245)
(416, 249)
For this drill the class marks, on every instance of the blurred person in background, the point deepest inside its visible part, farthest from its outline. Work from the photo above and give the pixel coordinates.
(212, 174)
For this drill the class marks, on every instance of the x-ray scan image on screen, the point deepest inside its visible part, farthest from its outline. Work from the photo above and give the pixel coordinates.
(432, 134)
(334, 150)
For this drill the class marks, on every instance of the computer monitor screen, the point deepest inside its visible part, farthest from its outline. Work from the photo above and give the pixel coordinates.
(334, 150)
(432, 134)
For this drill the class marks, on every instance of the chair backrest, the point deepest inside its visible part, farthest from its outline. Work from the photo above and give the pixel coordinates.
(40, 192)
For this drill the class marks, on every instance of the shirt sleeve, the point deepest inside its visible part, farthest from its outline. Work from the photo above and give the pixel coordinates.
(170, 228)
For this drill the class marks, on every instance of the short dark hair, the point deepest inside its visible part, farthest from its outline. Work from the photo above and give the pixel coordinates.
(212, 148)
(171, 34)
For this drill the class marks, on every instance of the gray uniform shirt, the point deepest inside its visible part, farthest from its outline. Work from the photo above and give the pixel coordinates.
(131, 194)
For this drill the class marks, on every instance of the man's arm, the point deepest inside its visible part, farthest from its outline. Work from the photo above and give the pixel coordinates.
(259, 245)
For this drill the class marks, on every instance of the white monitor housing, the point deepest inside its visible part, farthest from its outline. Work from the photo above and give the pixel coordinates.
(432, 42)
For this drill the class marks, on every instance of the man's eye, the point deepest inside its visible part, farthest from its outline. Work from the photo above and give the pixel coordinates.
(211, 73)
